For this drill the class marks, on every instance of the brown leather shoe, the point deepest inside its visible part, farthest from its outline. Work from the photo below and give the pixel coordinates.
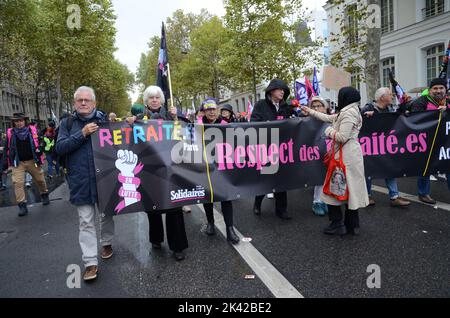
(427, 199)
(400, 202)
(90, 273)
(107, 252)
(371, 201)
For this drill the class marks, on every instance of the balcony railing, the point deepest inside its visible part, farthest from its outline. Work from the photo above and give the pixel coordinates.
(432, 11)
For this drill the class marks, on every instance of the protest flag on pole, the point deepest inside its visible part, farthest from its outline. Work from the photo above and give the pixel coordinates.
(163, 71)
(445, 70)
(309, 89)
(399, 91)
(315, 83)
(300, 92)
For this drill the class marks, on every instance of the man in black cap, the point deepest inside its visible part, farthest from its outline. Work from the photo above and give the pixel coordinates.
(436, 99)
(21, 152)
(273, 107)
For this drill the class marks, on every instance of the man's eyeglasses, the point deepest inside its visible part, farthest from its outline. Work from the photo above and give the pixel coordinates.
(316, 106)
(82, 101)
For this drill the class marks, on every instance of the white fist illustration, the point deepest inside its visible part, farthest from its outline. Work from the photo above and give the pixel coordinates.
(126, 162)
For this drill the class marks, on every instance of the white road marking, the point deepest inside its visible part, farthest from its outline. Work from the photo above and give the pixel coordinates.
(413, 198)
(278, 285)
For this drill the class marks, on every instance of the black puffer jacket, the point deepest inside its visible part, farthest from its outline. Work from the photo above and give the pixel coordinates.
(265, 110)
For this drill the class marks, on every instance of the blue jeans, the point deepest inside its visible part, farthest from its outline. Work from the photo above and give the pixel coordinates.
(49, 158)
(423, 185)
(391, 184)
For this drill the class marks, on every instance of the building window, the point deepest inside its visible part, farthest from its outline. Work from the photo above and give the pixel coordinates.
(251, 99)
(386, 65)
(243, 103)
(432, 8)
(387, 16)
(355, 81)
(352, 24)
(237, 104)
(326, 33)
(435, 55)
(326, 55)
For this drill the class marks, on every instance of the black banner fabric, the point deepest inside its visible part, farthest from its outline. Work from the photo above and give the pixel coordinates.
(159, 165)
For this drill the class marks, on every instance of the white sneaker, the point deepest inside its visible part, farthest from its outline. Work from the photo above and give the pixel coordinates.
(442, 176)
(28, 184)
(433, 178)
(270, 196)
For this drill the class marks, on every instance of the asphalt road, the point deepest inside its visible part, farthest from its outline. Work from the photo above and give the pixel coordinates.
(410, 246)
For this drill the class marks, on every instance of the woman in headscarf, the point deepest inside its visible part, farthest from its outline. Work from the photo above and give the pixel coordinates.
(344, 130)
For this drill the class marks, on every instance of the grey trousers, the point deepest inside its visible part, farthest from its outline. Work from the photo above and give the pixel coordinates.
(88, 234)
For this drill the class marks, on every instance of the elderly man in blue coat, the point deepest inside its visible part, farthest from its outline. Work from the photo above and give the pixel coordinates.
(74, 142)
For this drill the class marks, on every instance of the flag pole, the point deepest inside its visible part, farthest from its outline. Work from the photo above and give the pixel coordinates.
(170, 84)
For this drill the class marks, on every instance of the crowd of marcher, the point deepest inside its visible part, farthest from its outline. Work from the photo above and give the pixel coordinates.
(25, 149)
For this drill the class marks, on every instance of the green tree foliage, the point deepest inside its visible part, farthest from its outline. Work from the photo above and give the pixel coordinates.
(359, 39)
(58, 58)
(262, 44)
(203, 71)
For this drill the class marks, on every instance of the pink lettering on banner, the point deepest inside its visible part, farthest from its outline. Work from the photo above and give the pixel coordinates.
(378, 144)
(280, 118)
(105, 136)
(254, 156)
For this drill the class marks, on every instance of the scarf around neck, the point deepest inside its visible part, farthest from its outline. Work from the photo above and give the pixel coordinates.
(22, 133)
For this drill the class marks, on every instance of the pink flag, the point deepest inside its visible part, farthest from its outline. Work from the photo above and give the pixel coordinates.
(249, 110)
(309, 89)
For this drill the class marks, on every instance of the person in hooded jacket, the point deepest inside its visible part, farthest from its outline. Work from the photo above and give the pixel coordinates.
(273, 107)
(212, 117)
(344, 130)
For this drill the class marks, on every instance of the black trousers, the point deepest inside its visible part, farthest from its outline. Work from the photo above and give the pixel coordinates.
(227, 211)
(280, 201)
(351, 216)
(176, 231)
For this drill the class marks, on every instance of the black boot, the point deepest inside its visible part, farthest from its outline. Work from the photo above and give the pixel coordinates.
(23, 209)
(210, 229)
(232, 236)
(283, 215)
(336, 226)
(352, 222)
(257, 205)
(45, 199)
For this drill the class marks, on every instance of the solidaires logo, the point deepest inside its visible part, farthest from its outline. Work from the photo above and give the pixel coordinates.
(187, 194)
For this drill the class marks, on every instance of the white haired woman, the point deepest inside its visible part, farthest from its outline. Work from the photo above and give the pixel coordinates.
(319, 208)
(154, 100)
(176, 232)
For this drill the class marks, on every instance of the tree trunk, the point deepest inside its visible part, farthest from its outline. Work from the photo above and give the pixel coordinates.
(254, 84)
(36, 104)
(58, 91)
(372, 58)
(48, 98)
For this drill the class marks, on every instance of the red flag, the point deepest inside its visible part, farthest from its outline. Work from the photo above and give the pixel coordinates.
(309, 89)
